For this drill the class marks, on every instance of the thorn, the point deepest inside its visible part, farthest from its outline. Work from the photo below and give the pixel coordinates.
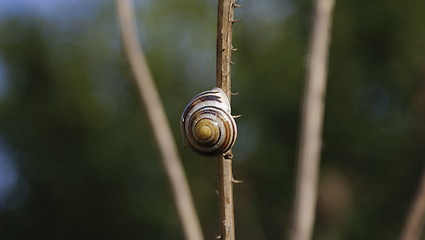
(236, 181)
(218, 237)
(237, 5)
(236, 116)
(231, 63)
(228, 156)
(216, 192)
(236, 21)
(234, 49)
(234, 94)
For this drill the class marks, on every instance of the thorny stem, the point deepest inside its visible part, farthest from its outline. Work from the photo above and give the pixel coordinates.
(311, 125)
(224, 45)
(224, 49)
(155, 111)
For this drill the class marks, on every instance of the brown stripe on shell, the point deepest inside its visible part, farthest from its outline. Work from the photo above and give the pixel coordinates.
(198, 99)
(205, 93)
(230, 134)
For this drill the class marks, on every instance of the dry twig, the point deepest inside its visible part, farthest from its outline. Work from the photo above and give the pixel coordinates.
(158, 120)
(415, 221)
(225, 176)
(311, 125)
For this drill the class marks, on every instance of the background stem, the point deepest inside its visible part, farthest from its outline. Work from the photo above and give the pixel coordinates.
(311, 125)
(415, 221)
(225, 176)
(158, 120)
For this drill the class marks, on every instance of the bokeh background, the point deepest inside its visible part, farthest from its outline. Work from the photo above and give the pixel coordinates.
(77, 156)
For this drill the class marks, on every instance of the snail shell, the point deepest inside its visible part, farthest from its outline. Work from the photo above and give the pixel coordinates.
(207, 125)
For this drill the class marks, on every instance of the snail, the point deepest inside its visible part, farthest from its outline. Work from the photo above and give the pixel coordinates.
(207, 125)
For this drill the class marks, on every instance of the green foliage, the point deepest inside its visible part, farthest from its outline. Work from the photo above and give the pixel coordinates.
(88, 167)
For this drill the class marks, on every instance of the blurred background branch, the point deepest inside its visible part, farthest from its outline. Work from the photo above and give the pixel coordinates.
(158, 120)
(312, 121)
(414, 225)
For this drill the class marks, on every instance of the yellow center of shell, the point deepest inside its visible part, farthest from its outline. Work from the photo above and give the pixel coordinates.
(204, 129)
(204, 132)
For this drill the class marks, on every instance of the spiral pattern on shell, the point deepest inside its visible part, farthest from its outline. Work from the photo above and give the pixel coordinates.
(207, 125)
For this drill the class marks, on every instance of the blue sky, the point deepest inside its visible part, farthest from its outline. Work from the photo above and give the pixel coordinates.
(42, 8)
(59, 12)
